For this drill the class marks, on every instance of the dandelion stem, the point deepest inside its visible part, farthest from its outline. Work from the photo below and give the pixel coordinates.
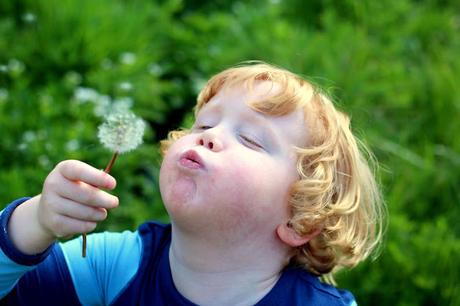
(83, 251)
(107, 170)
(112, 161)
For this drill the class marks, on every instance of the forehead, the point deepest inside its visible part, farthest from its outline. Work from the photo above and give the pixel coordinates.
(249, 103)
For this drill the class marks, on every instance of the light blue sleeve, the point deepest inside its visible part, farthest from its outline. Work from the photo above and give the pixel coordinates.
(111, 261)
(353, 303)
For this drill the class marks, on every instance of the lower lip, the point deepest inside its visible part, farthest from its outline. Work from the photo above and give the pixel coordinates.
(190, 164)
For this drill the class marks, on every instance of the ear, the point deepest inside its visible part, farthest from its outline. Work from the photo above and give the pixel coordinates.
(289, 236)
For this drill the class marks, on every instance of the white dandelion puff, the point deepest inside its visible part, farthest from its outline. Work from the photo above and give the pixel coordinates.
(121, 132)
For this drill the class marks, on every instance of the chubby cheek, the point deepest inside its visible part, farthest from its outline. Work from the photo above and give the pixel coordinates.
(252, 192)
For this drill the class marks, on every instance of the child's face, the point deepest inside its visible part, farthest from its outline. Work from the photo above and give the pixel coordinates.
(231, 175)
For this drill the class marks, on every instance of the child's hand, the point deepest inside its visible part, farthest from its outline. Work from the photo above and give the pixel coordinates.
(71, 201)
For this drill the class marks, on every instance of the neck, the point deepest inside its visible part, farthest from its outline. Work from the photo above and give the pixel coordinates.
(214, 273)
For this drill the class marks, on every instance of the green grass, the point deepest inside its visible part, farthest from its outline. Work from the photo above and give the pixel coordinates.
(392, 65)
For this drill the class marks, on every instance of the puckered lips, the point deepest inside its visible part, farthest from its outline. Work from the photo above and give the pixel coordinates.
(191, 160)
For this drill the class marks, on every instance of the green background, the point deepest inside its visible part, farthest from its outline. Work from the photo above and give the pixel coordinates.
(394, 66)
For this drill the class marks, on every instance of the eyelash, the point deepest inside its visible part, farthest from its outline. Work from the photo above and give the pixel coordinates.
(251, 142)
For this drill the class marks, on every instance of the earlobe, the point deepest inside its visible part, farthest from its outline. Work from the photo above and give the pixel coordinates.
(289, 236)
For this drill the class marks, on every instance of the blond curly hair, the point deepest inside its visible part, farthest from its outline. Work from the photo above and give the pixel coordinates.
(336, 190)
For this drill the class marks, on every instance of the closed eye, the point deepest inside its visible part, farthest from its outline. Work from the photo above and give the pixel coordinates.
(204, 127)
(251, 142)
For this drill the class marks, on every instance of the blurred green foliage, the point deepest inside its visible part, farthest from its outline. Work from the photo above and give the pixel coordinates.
(393, 65)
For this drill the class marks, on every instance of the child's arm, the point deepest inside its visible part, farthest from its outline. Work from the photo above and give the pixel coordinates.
(71, 203)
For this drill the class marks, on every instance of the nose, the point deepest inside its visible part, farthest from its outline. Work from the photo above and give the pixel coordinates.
(210, 140)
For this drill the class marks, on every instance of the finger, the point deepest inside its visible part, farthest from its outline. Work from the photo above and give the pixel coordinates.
(86, 194)
(64, 226)
(79, 171)
(78, 211)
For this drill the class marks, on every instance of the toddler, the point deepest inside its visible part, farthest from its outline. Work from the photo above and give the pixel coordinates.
(268, 192)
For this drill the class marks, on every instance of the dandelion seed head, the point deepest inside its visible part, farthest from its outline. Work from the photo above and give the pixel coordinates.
(121, 132)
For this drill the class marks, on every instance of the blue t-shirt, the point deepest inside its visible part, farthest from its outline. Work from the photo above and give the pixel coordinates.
(129, 268)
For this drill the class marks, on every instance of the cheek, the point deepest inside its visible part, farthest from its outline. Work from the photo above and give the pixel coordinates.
(255, 188)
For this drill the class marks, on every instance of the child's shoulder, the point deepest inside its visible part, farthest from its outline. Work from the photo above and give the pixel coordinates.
(325, 288)
(300, 287)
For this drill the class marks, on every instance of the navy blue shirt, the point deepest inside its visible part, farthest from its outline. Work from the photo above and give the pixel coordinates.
(129, 268)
